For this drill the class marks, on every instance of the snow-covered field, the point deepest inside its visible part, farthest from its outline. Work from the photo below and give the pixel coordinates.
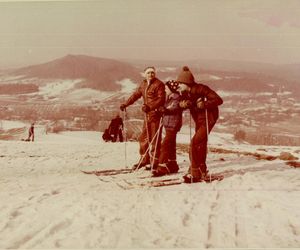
(47, 202)
(6, 124)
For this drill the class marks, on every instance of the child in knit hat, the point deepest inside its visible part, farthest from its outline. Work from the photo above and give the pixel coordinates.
(172, 122)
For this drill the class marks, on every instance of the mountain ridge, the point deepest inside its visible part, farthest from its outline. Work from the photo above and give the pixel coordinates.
(104, 74)
(95, 72)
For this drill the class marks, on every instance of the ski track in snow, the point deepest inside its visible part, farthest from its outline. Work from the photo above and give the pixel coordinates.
(47, 202)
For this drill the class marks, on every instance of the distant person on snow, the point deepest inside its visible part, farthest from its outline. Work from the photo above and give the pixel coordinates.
(172, 122)
(115, 129)
(153, 92)
(31, 133)
(203, 105)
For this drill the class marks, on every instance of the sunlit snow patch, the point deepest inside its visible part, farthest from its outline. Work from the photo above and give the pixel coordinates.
(127, 85)
(57, 87)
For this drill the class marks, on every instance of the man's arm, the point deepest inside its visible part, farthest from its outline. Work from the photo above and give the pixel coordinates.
(212, 98)
(135, 96)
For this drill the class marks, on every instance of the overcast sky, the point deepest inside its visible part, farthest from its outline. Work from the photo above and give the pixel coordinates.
(248, 30)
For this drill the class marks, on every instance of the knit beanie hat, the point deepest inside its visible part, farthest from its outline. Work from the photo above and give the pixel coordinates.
(148, 69)
(186, 76)
(173, 85)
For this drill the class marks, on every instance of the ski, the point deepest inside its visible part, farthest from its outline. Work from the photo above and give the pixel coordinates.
(171, 182)
(209, 178)
(162, 183)
(128, 185)
(162, 176)
(108, 172)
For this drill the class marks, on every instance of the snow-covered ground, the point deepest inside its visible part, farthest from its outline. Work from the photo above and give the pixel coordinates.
(224, 93)
(47, 202)
(57, 87)
(7, 124)
(127, 85)
(65, 89)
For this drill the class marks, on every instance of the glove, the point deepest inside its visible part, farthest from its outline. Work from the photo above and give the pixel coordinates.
(162, 110)
(185, 104)
(145, 108)
(123, 107)
(200, 103)
(183, 88)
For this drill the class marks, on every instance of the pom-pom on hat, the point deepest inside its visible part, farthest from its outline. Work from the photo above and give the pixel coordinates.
(173, 86)
(186, 76)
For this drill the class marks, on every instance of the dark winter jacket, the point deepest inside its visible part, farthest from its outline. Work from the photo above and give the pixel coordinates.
(153, 95)
(173, 114)
(115, 125)
(211, 102)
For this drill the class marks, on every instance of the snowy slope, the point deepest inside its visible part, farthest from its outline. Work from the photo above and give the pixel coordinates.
(66, 90)
(6, 124)
(47, 202)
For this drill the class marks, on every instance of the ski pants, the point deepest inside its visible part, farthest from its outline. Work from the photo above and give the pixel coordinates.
(198, 148)
(168, 147)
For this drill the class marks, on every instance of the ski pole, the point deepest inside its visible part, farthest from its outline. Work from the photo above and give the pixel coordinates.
(146, 117)
(125, 136)
(190, 147)
(157, 138)
(207, 132)
(147, 129)
(190, 118)
(142, 158)
(207, 129)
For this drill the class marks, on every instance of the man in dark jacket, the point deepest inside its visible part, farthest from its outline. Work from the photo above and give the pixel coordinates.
(153, 92)
(203, 104)
(115, 129)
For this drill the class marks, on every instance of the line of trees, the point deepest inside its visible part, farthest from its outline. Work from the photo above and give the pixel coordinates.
(266, 138)
(16, 88)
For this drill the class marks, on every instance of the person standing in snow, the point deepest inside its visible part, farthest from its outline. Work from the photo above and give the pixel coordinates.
(153, 92)
(115, 129)
(203, 104)
(172, 122)
(31, 133)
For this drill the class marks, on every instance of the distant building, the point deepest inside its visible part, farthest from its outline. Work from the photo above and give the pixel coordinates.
(289, 101)
(273, 100)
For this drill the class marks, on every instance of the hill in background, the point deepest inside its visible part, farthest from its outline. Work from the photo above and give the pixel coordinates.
(96, 73)
(105, 74)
